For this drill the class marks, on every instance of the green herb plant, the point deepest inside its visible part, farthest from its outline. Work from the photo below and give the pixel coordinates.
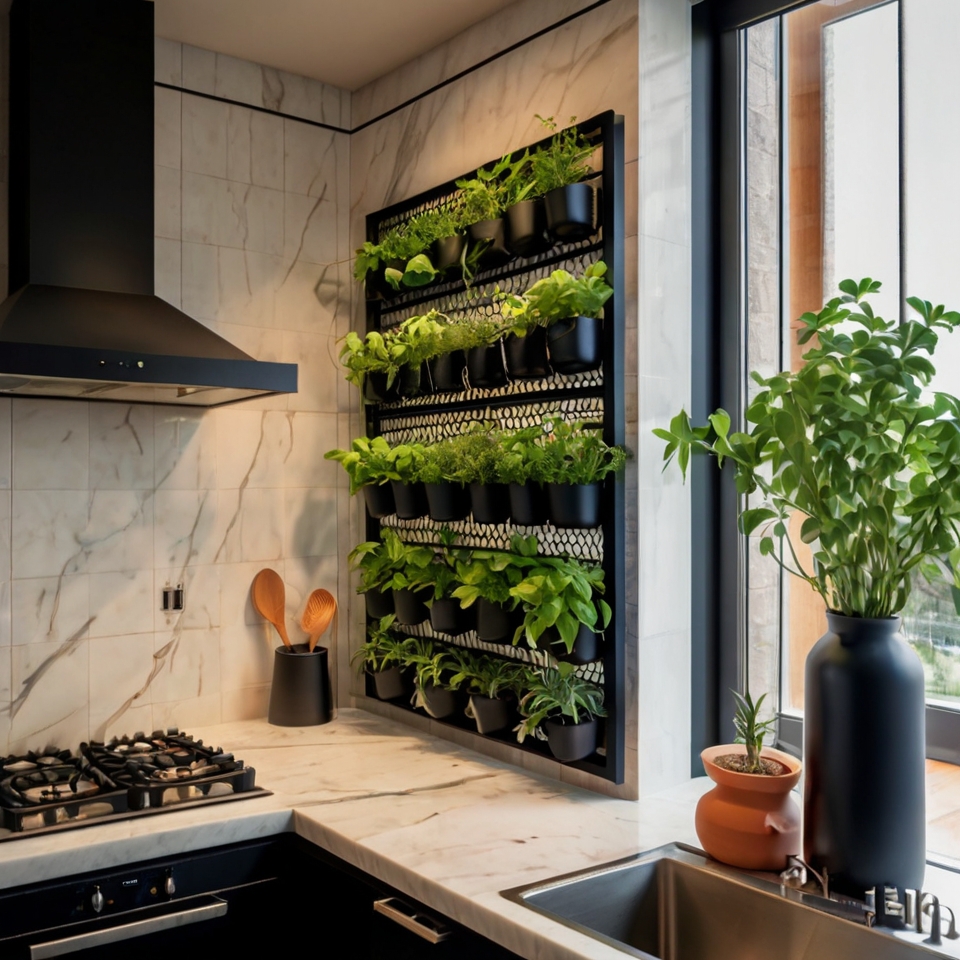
(382, 650)
(558, 296)
(368, 461)
(573, 453)
(564, 160)
(750, 730)
(491, 677)
(557, 693)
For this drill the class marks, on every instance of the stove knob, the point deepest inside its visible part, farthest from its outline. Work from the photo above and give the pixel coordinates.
(96, 901)
(169, 887)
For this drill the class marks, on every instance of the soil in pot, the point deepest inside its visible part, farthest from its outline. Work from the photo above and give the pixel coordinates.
(527, 356)
(586, 646)
(527, 228)
(749, 820)
(490, 714)
(390, 684)
(576, 344)
(571, 741)
(446, 371)
(379, 500)
(449, 618)
(485, 366)
(375, 389)
(574, 506)
(437, 701)
(489, 502)
(410, 500)
(571, 212)
(379, 603)
(447, 251)
(738, 763)
(528, 505)
(496, 623)
(410, 607)
(492, 234)
(447, 501)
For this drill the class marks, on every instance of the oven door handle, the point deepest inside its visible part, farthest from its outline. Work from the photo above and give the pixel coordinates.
(127, 931)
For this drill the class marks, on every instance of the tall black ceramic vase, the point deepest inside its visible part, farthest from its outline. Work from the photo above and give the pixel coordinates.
(864, 815)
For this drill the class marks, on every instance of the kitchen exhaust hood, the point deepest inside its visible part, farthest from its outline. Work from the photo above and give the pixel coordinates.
(83, 320)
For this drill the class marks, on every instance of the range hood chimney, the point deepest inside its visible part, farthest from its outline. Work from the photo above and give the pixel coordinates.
(82, 320)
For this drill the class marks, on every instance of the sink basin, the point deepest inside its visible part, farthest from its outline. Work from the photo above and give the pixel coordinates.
(674, 903)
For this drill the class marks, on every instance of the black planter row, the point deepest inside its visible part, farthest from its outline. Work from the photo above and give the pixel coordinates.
(527, 229)
(566, 506)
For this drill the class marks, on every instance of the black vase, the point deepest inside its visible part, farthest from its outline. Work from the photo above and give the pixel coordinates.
(485, 366)
(574, 506)
(410, 500)
(576, 344)
(449, 618)
(446, 372)
(447, 251)
(864, 746)
(379, 603)
(586, 646)
(437, 701)
(527, 227)
(527, 356)
(375, 389)
(490, 714)
(571, 212)
(528, 505)
(496, 623)
(493, 235)
(571, 741)
(447, 501)
(410, 607)
(379, 500)
(390, 684)
(489, 502)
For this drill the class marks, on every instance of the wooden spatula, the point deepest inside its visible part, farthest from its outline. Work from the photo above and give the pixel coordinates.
(269, 600)
(320, 610)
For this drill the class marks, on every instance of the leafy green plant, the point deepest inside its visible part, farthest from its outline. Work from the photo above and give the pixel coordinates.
(750, 730)
(482, 196)
(492, 677)
(517, 181)
(382, 650)
(557, 297)
(564, 160)
(853, 442)
(418, 272)
(521, 453)
(373, 354)
(438, 462)
(555, 693)
(398, 243)
(368, 461)
(492, 574)
(575, 454)
(476, 455)
(470, 333)
(390, 564)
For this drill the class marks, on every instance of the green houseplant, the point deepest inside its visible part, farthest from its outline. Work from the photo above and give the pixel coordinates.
(855, 446)
(436, 671)
(383, 656)
(492, 684)
(481, 205)
(562, 708)
(391, 568)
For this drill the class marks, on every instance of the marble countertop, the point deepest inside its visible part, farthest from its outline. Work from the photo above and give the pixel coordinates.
(438, 822)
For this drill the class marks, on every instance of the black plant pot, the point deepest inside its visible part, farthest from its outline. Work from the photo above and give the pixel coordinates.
(438, 703)
(489, 502)
(410, 500)
(375, 389)
(571, 741)
(447, 251)
(446, 372)
(410, 607)
(379, 500)
(490, 714)
(496, 623)
(863, 745)
(528, 505)
(493, 235)
(377, 286)
(447, 617)
(390, 684)
(485, 366)
(413, 380)
(576, 344)
(571, 212)
(527, 356)
(527, 227)
(574, 506)
(447, 501)
(586, 646)
(379, 603)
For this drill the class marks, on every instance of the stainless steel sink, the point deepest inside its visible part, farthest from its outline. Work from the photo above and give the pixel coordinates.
(674, 903)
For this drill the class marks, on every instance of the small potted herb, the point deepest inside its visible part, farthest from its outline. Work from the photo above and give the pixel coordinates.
(493, 683)
(559, 170)
(443, 226)
(435, 669)
(562, 708)
(479, 340)
(481, 198)
(409, 495)
(447, 616)
(372, 366)
(406, 577)
(477, 462)
(522, 451)
(367, 463)
(382, 657)
(523, 209)
(377, 562)
(397, 258)
(448, 499)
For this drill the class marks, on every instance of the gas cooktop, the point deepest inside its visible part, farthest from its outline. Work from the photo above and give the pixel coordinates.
(122, 778)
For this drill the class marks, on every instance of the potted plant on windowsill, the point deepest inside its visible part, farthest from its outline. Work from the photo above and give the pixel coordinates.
(562, 708)
(493, 684)
(382, 657)
(749, 819)
(853, 455)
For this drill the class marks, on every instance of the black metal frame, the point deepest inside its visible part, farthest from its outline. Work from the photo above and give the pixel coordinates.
(718, 661)
(606, 390)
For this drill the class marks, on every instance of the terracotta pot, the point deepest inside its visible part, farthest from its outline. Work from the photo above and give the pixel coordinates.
(749, 820)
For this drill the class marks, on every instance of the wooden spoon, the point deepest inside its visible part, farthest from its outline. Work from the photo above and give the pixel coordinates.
(269, 599)
(320, 610)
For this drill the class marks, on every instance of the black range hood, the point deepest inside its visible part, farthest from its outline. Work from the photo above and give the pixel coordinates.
(83, 320)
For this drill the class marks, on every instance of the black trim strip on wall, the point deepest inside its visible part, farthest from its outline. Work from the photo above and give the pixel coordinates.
(406, 103)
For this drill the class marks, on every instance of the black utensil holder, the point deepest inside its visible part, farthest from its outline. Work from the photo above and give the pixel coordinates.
(300, 694)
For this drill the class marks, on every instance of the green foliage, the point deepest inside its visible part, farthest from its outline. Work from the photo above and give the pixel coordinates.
(482, 195)
(368, 461)
(557, 297)
(574, 453)
(750, 730)
(558, 692)
(518, 182)
(492, 574)
(855, 443)
(391, 563)
(382, 650)
(488, 676)
(563, 161)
